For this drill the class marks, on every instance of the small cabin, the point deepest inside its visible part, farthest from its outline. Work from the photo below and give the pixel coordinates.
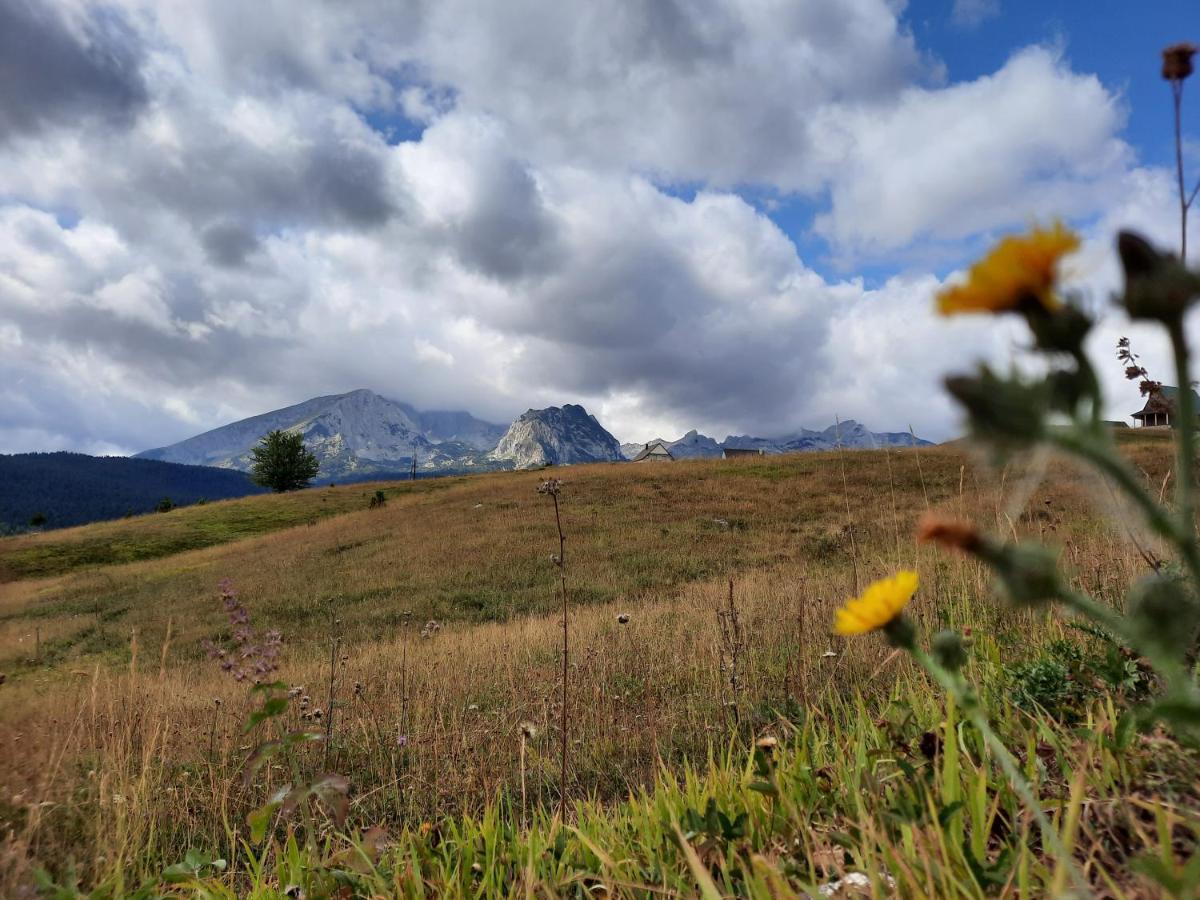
(655, 451)
(1159, 410)
(734, 452)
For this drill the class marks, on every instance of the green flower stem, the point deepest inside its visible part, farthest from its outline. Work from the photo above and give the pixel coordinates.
(1104, 616)
(1088, 374)
(1123, 476)
(956, 688)
(1186, 441)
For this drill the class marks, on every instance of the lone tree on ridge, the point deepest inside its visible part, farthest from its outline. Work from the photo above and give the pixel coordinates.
(283, 463)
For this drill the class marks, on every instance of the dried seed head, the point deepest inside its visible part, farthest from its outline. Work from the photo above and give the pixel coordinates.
(551, 486)
(529, 730)
(1177, 61)
(623, 618)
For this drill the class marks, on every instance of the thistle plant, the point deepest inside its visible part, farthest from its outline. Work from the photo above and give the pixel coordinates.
(251, 656)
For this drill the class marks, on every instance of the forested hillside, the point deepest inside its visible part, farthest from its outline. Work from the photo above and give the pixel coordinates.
(72, 488)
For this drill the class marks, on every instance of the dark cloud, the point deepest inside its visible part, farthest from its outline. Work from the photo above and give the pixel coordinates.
(348, 181)
(52, 74)
(507, 233)
(228, 244)
(324, 178)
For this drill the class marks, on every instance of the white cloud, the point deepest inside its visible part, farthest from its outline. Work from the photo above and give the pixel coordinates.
(973, 13)
(1034, 140)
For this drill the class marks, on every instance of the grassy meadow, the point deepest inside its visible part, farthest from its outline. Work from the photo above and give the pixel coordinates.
(721, 741)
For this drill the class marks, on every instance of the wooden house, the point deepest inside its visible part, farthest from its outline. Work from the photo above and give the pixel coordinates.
(734, 452)
(1160, 408)
(655, 451)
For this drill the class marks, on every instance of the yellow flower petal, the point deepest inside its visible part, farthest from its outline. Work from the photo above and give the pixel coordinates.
(1019, 268)
(879, 604)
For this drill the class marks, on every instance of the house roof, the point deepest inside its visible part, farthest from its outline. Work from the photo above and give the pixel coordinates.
(1170, 393)
(656, 449)
(1164, 400)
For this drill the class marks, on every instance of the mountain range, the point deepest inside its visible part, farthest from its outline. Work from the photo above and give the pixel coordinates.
(352, 435)
(361, 435)
(849, 434)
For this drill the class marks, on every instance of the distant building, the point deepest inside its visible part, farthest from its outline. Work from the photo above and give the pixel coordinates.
(1159, 410)
(732, 452)
(654, 451)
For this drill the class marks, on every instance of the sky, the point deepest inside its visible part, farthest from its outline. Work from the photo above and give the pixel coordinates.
(730, 216)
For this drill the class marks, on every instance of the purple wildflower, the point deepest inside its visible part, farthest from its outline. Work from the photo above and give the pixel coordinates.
(249, 654)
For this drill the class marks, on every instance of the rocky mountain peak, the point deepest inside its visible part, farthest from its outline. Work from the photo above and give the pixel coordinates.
(557, 435)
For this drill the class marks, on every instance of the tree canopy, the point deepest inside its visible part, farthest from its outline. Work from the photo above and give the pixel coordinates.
(283, 463)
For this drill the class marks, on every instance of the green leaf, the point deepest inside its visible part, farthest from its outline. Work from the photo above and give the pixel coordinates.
(1125, 731)
(272, 707)
(260, 819)
(946, 813)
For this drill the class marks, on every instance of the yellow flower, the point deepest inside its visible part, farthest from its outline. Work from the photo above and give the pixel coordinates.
(1019, 268)
(879, 604)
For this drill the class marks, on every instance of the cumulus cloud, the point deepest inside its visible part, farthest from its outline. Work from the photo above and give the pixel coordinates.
(238, 227)
(1033, 140)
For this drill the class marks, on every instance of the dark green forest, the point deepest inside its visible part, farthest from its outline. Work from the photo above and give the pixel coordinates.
(56, 490)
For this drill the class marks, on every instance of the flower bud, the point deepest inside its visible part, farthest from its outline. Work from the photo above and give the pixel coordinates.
(1059, 330)
(1164, 615)
(1157, 285)
(900, 633)
(949, 650)
(1004, 412)
(1028, 571)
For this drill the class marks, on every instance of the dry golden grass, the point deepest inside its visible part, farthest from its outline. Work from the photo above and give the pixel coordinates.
(476, 548)
(115, 740)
